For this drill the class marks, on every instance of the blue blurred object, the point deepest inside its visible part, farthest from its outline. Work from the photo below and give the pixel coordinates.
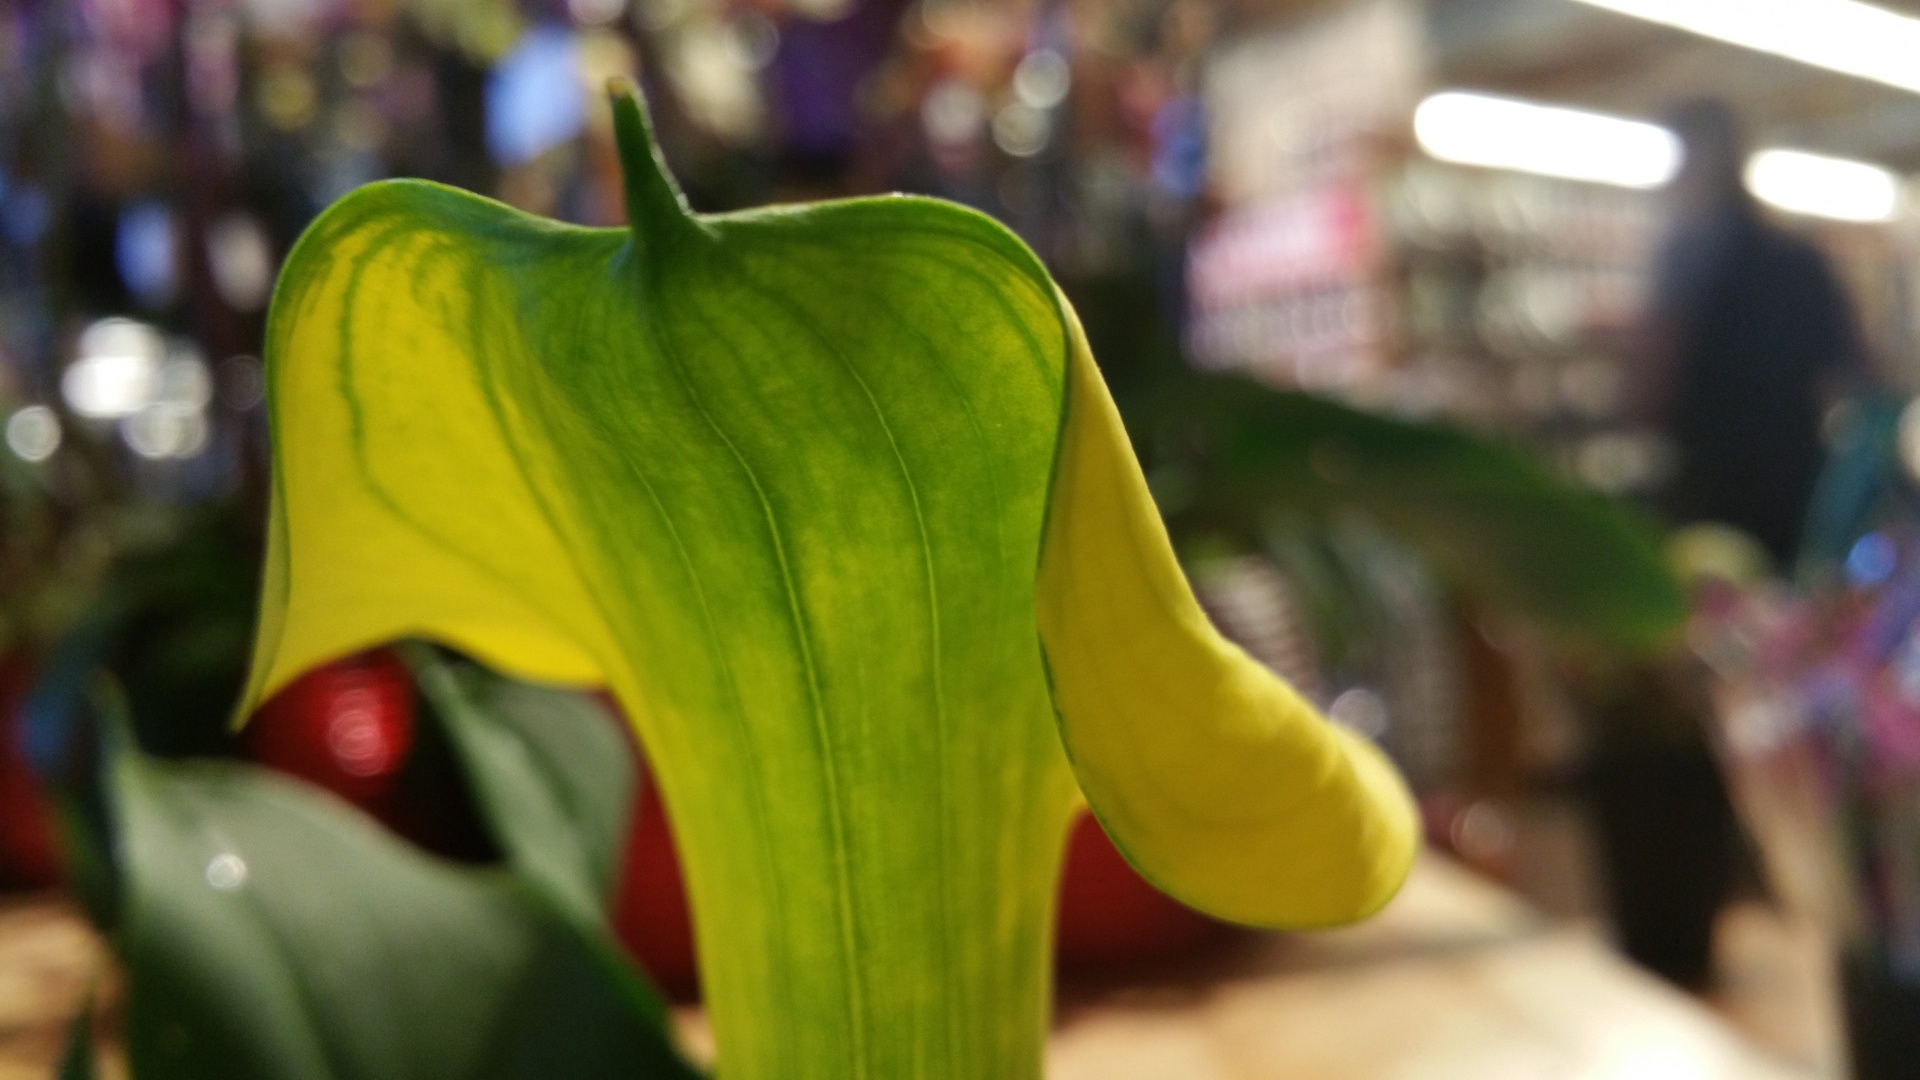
(54, 717)
(1180, 147)
(534, 97)
(25, 214)
(1872, 560)
(1860, 487)
(143, 251)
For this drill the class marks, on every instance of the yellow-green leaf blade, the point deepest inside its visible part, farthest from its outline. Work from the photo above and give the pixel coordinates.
(784, 495)
(1219, 782)
(781, 481)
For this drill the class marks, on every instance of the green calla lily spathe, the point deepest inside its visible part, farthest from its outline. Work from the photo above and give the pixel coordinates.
(834, 500)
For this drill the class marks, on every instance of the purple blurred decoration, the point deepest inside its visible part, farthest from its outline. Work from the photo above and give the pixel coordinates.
(816, 75)
(1180, 147)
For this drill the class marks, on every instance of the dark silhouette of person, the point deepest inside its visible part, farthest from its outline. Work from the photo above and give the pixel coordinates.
(1752, 333)
(1749, 329)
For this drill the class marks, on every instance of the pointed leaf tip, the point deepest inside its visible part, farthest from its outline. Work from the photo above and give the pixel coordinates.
(655, 206)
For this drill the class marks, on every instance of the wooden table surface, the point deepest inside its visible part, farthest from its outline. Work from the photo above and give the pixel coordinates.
(49, 959)
(1456, 980)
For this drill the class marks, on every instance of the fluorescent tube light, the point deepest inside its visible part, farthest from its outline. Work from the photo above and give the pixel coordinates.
(1824, 186)
(1840, 35)
(1478, 129)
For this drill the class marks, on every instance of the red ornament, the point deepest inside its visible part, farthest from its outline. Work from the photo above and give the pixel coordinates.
(1111, 916)
(29, 857)
(651, 915)
(346, 726)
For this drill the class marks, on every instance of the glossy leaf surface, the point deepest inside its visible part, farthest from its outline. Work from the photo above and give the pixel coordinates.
(271, 931)
(834, 501)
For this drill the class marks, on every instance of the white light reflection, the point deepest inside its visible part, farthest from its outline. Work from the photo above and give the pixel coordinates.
(596, 12)
(1042, 79)
(114, 372)
(241, 260)
(1021, 130)
(1823, 186)
(33, 433)
(243, 383)
(1362, 710)
(184, 379)
(1479, 129)
(226, 871)
(1840, 35)
(360, 744)
(953, 113)
(165, 430)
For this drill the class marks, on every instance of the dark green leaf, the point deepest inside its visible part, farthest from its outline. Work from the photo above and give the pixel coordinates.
(76, 1062)
(550, 769)
(271, 932)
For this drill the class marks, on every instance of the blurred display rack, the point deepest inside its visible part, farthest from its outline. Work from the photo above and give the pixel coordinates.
(1345, 261)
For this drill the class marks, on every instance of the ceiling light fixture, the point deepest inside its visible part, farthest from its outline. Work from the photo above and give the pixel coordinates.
(1502, 133)
(1840, 35)
(1823, 186)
